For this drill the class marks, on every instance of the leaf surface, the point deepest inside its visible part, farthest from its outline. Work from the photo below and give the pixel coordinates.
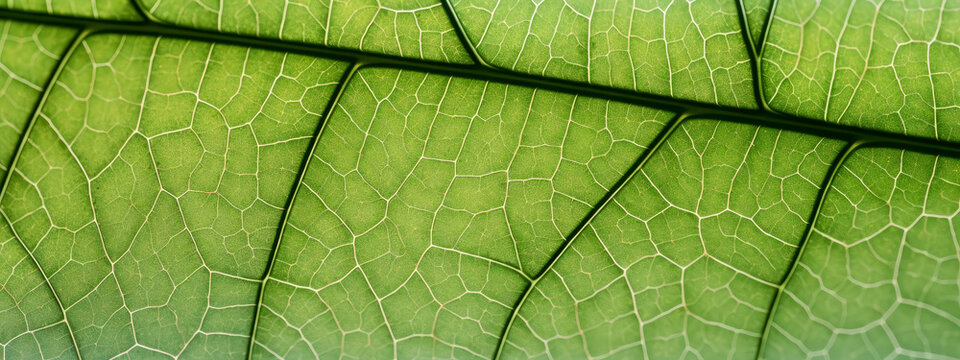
(890, 66)
(153, 206)
(33, 325)
(416, 29)
(687, 50)
(477, 179)
(686, 259)
(462, 188)
(880, 276)
(97, 9)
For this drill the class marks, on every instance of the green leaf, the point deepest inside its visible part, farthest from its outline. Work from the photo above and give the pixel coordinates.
(163, 166)
(687, 50)
(881, 274)
(33, 325)
(890, 66)
(416, 29)
(478, 179)
(757, 11)
(461, 188)
(28, 55)
(97, 9)
(689, 253)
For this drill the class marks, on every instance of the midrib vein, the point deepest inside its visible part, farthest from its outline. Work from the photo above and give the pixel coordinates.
(34, 117)
(760, 117)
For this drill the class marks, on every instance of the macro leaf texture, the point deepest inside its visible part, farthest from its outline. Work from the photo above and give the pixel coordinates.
(476, 179)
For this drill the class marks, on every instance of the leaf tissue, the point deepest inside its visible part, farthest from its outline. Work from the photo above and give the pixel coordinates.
(479, 179)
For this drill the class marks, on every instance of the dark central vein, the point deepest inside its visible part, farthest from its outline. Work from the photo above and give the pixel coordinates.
(482, 71)
(725, 113)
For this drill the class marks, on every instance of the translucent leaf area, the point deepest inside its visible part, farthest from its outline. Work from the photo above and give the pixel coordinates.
(461, 188)
(474, 179)
(418, 29)
(686, 259)
(881, 276)
(152, 206)
(891, 66)
(33, 325)
(96, 9)
(688, 50)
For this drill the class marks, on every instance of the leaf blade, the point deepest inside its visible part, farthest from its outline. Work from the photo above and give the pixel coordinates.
(478, 135)
(888, 262)
(135, 216)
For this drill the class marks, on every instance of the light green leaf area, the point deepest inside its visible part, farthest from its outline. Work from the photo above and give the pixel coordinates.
(416, 29)
(757, 11)
(97, 9)
(891, 66)
(28, 55)
(687, 50)
(685, 261)
(429, 203)
(479, 179)
(151, 187)
(881, 275)
(32, 323)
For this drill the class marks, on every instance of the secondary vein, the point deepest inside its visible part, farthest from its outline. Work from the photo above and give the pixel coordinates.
(48, 87)
(763, 116)
(824, 189)
(331, 106)
(608, 198)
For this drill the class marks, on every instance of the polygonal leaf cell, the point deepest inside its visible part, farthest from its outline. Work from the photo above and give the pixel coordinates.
(757, 11)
